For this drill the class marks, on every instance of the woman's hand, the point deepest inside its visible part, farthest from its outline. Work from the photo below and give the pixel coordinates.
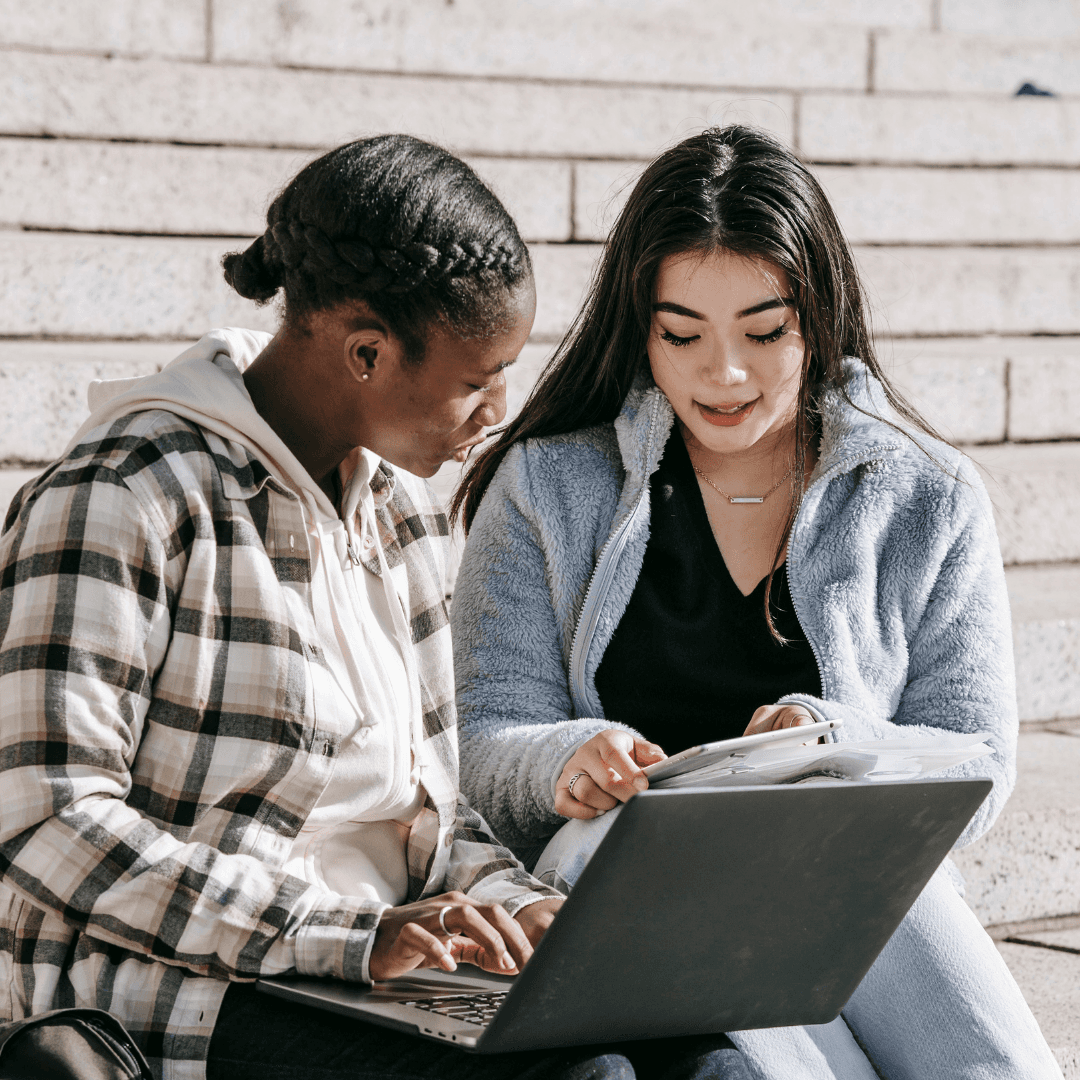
(536, 918)
(776, 717)
(608, 770)
(411, 936)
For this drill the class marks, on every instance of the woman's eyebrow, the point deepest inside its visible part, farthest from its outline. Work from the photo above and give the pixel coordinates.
(677, 309)
(766, 305)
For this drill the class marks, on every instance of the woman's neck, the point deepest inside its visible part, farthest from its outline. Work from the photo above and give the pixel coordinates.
(752, 469)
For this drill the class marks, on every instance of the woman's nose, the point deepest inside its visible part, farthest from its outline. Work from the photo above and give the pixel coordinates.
(724, 367)
(493, 408)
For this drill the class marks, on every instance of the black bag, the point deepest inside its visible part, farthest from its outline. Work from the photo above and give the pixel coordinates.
(70, 1044)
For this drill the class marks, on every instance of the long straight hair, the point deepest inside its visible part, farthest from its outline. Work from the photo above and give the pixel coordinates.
(731, 190)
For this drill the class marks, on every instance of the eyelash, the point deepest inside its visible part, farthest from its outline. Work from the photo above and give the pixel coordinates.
(761, 339)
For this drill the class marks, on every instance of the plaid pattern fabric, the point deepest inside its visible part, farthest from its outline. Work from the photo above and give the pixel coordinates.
(158, 746)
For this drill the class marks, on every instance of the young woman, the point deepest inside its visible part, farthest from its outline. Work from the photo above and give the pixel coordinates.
(227, 722)
(713, 516)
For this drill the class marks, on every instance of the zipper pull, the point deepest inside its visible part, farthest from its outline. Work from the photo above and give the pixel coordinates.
(353, 554)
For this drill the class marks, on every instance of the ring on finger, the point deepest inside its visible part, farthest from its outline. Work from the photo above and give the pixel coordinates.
(573, 780)
(442, 920)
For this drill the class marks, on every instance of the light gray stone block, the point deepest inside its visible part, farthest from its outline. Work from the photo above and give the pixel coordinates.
(1050, 982)
(639, 44)
(1049, 19)
(962, 397)
(257, 106)
(219, 191)
(945, 291)
(601, 189)
(1045, 603)
(536, 192)
(965, 64)
(1055, 939)
(1036, 499)
(957, 206)
(1028, 865)
(563, 272)
(937, 130)
(175, 28)
(1044, 395)
(126, 187)
(116, 287)
(43, 388)
(10, 482)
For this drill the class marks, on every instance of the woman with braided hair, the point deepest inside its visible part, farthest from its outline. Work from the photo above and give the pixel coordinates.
(227, 720)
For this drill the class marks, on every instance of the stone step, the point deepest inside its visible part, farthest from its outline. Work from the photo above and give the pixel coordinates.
(1028, 865)
(1050, 980)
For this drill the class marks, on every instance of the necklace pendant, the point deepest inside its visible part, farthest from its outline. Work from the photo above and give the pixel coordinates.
(745, 499)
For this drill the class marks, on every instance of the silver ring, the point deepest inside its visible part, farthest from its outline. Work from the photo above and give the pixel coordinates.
(442, 920)
(573, 780)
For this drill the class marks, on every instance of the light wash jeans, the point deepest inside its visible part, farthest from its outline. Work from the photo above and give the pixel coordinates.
(938, 1002)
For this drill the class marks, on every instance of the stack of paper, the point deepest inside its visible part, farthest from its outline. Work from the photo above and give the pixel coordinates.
(873, 759)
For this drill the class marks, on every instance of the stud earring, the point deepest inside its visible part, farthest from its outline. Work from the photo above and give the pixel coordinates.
(364, 377)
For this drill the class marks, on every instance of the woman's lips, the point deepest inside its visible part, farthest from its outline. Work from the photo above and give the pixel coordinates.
(462, 452)
(727, 416)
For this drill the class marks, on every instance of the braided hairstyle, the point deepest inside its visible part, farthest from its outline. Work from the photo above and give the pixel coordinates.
(398, 223)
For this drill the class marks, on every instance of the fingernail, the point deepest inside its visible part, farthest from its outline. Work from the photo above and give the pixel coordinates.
(640, 783)
(506, 962)
(448, 963)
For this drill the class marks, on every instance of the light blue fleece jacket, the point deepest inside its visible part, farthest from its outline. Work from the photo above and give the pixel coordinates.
(893, 563)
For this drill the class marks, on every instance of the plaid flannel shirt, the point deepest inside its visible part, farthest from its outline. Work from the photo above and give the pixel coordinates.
(158, 746)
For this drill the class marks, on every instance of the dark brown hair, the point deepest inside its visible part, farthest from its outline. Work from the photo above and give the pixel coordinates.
(732, 189)
(396, 222)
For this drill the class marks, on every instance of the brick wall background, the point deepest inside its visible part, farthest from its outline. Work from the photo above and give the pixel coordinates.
(141, 139)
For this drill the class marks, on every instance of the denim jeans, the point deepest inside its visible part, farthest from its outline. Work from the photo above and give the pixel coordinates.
(259, 1037)
(938, 1002)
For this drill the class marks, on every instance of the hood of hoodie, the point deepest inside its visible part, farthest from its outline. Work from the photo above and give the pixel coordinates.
(205, 384)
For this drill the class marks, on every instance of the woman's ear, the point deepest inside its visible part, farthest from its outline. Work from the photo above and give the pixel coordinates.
(367, 353)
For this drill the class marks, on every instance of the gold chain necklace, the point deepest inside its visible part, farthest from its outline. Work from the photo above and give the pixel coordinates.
(742, 498)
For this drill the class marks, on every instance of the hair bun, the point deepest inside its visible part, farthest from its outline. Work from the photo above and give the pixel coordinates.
(250, 274)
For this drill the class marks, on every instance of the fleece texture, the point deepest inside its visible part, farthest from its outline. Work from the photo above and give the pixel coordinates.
(893, 563)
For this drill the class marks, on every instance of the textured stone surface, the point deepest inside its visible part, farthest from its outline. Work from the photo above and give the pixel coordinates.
(937, 130)
(43, 388)
(125, 187)
(111, 286)
(562, 276)
(1050, 19)
(1044, 395)
(219, 191)
(537, 194)
(1046, 637)
(601, 188)
(1054, 939)
(963, 397)
(253, 106)
(1050, 982)
(920, 290)
(920, 206)
(961, 63)
(731, 47)
(1036, 499)
(133, 27)
(1028, 865)
(10, 482)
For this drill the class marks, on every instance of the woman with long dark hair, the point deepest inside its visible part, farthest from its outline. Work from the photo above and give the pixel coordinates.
(227, 724)
(715, 516)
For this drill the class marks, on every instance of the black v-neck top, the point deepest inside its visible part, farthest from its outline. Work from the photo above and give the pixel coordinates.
(692, 658)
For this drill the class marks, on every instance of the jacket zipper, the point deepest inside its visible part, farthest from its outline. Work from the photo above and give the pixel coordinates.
(600, 582)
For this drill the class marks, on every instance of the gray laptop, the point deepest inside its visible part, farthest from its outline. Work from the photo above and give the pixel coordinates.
(703, 910)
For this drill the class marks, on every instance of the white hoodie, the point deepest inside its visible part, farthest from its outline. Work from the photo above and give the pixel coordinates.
(354, 841)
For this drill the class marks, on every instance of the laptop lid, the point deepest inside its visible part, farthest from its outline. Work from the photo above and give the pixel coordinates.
(709, 910)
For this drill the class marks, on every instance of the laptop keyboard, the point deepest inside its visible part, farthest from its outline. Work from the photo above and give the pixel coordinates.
(472, 1008)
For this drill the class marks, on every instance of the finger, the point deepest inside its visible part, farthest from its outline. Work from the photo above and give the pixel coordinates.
(415, 947)
(646, 753)
(567, 806)
(512, 932)
(589, 793)
(762, 720)
(627, 769)
(468, 922)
